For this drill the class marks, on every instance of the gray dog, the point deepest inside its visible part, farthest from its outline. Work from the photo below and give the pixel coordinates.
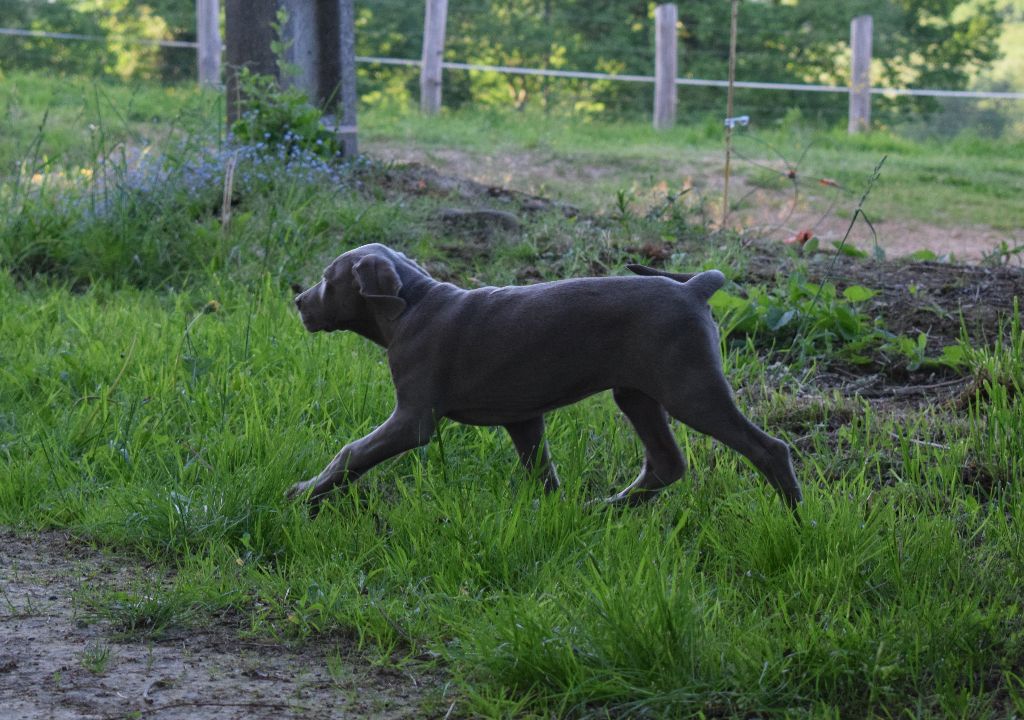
(505, 356)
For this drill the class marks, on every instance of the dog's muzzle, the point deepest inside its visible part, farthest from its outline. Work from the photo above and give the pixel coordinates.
(302, 305)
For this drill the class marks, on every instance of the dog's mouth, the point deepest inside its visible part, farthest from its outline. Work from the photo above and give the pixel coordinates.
(310, 323)
(311, 326)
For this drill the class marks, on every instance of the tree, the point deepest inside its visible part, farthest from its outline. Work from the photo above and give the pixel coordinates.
(57, 55)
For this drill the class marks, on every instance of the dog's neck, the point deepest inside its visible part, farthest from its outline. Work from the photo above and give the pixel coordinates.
(381, 330)
(414, 287)
(375, 330)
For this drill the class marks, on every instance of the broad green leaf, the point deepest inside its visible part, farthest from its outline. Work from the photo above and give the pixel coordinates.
(849, 250)
(775, 319)
(724, 302)
(953, 355)
(858, 293)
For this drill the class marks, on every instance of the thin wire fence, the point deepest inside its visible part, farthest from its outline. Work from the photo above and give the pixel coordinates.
(697, 82)
(526, 63)
(20, 32)
(605, 66)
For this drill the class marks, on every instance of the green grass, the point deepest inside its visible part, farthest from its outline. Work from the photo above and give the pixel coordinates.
(162, 406)
(144, 422)
(96, 657)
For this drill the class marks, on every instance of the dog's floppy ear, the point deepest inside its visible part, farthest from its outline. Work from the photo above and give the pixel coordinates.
(379, 283)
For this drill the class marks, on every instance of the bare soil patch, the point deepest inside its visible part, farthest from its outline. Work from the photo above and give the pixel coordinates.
(46, 643)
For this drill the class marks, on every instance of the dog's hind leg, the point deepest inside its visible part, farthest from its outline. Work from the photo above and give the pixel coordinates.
(532, 448)
(709, 408)
(664, 463)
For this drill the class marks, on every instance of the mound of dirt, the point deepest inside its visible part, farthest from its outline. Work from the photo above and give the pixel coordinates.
(942, 300)
(775, 214)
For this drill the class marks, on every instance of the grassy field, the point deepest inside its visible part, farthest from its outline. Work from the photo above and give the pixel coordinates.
(158, 395)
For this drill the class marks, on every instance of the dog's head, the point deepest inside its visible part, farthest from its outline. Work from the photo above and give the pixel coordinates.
(360, 291)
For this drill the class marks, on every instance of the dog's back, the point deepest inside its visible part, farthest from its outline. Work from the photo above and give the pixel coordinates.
(522, 350)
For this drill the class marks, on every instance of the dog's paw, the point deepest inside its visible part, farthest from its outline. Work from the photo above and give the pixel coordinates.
(629, 498)
(607, 502)
(301, 489)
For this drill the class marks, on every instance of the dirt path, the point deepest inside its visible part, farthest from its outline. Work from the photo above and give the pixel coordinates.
(54, 664)
(774, 214)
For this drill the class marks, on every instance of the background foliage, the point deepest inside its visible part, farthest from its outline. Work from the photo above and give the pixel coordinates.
(933, 43)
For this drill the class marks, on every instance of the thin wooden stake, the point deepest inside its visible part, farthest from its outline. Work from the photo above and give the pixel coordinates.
(728, 110)
(229, 191)
(860, 74)
(208, 39)
(666, 65)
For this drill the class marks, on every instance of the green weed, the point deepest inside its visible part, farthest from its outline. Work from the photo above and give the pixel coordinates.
(96, 657)
(137, 615)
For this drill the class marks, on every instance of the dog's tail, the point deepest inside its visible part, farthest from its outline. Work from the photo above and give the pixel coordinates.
(703, 283)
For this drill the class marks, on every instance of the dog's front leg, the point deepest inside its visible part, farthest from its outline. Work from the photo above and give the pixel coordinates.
(403, 431)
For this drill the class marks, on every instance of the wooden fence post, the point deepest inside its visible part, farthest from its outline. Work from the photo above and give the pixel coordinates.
(860, 74)
(665, 65)
(434, 23)
(208, 39)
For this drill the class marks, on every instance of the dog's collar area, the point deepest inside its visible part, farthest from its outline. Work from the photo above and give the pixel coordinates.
(414, 288)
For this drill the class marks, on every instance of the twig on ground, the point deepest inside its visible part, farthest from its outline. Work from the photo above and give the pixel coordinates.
(925, 443)
(212, 703)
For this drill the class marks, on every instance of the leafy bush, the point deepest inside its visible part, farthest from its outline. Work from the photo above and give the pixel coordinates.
(812, 319)
(281, 118)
